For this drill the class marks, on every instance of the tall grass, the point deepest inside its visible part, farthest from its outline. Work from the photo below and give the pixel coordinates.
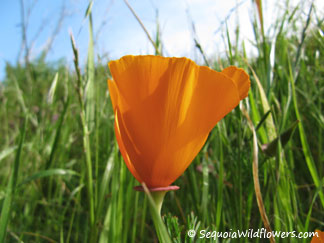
(62, 178)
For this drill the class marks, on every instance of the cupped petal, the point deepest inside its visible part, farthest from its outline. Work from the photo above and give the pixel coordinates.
(214, 95)
(240, 78)
(167, 107)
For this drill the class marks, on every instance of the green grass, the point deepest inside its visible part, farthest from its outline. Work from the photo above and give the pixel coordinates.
(62, 178)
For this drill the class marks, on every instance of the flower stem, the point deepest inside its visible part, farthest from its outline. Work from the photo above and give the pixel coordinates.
(158, 199)
(155, 199)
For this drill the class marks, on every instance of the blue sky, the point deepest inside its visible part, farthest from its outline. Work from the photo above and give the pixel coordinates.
(117, 31)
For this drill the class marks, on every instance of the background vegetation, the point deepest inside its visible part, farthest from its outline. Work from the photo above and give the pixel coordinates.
(62, 178)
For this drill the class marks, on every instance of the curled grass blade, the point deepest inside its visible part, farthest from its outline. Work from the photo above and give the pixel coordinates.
(256, 182)
(271, 129)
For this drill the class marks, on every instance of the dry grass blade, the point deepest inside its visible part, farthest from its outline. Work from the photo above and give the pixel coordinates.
(195, 38)
(257, 188)
(36, 235)
(143, 27)
(259, 7)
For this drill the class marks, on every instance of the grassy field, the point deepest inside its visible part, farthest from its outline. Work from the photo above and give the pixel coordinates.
(62, 178)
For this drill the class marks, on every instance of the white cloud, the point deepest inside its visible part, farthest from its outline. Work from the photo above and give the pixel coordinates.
(177, 43)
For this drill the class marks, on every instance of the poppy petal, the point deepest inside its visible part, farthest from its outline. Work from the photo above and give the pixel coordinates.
(136, 77)
(319, 238)
(214, 96)
(123, 143)
(240, 78)
(152, 116)
(113, 93)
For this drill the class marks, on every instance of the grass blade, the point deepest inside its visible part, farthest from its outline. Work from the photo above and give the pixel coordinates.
(86, 137)
(270, 149)
(57, 136)
(156, 48)
(6, 152)
(104, 183)
(271, 129)
(90, 88)
(6, 208)
(47, 173)
(303, 139)
(51, 92)
(256, 182)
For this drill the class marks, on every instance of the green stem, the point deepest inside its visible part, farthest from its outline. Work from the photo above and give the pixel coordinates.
(156, 210)
(158, 200)
(155, 199)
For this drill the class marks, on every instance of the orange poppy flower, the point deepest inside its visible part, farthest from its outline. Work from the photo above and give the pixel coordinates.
(164, 110)
(319, 238)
